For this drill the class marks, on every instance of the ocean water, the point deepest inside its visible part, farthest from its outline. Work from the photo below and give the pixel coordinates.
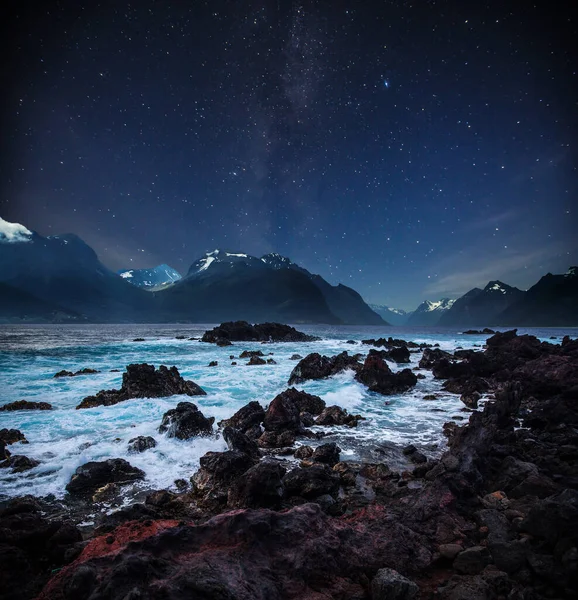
(65, 438)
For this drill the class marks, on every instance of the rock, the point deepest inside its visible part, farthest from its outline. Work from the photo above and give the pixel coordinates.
(85, 371)
(186, 421)
(450, 551)
(327, 454)
(255, 360)
(296, 357)
(396, 354)
(335, 415)
(303, 452)
(271, 361)
(471, 400)
(19, 463)
(431, 357)
(237, 440)
(26, 405)
(4, 454)
(283, 413)
(241, 331)
(274, 439)
(93, 475)
(259, 487)
(388, 584)
(311, 482)
(472, 560)
(249, 416)
(138, 340)
(316, 366)
(378, 377)
(222, 342)
(143, 381)
(213, 363)
(11, 436)
(250, 353)
(141, 443)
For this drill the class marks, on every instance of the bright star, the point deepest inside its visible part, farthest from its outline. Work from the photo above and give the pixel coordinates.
(386, 83)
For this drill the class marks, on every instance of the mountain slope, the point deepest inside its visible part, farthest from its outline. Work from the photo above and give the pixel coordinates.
(395, 316)
(429, 313)
(481, 307)
(151, 279)
(552, 302)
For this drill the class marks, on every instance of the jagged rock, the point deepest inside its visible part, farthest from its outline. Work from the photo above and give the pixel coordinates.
(85, 371)
(222, 342)
(237, 440)
(335, 415)
(186, 421)
(11, 436)
(303, 452)
(296, 357)
(271, 361)
(250, 353)
(275, 439)
(472, 560)
(241, 331)
(283, 413)
(471, 400)
(311, 482)
(255, 360)
(378, 377)
(26, 405)
(261, 486)
(398, 354)
(247, 417)
(327, 454)
(143, 381)
(18, 463)
(316, 366)
(431, 357)
(213, 363)
(141, 443)
(93, 475)
(388, 584)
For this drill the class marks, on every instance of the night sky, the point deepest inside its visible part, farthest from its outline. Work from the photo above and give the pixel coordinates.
(410, 150)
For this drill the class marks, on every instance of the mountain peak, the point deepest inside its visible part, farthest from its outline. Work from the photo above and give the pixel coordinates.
(571, 272)
(13, 232)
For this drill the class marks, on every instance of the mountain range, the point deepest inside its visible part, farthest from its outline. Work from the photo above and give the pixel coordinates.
(60, 279)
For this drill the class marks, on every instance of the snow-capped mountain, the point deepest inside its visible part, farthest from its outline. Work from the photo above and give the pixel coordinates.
(155, 278)
(480, 308)
(395, 316)
(225, 285)
(429, 312)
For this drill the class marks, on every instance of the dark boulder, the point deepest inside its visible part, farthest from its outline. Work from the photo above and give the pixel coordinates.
(311, 482)
(316, 366)
(85, 371)
(247, 417)
(388, 584)
(250, 353)
(141, 443)
(283, 413)
(431, 356)
(256, 360)
(327, 454)
(335, 415)
(276, 439)
(398, 354)
(237, 440)
(144, 381)
(11, 436)
(26, 405)
(378, 377)
(18, 463)
(186, 421)
(471, 400)
(93, 475)
(241, 331)
(259, 487)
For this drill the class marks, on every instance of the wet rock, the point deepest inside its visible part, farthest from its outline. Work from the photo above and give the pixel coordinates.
(141, 443)
(275, 439)
(296, 357)
(213, 363)
(93, 475)
(471, 400)
(261, 486)
(388, 584)
(85, 371)
(311, 482)
(4, 454)
(186, 421)
(283, 413)
(222, 342)
(431, 357)
(303, 452)
(249, 416)
(378, 377)
(472, 560)
(11, 436)
(144, 381)
(316, 366)
(25, 405)
(237, 440)
(271, 361)
(396, 354)
(255, 360)
(138, 340)
(478, 332)
(250, 353)
(335, 415)
(327, 454)
(241, 331)
(18, 463)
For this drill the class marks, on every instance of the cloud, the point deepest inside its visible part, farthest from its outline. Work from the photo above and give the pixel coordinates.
(13, 232)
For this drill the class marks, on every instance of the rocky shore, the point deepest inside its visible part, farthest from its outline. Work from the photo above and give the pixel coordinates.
(495, 516)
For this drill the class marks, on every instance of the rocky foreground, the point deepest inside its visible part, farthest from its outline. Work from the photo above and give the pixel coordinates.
(495, 517)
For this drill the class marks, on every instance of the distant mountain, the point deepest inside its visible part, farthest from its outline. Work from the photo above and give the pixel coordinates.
(552, 302)
(62, 275)
(481, 307)
(395, 316)
(151, 279)
(226, 285)
(429, 313)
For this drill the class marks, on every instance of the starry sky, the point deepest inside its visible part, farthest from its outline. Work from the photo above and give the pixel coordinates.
(411, 150)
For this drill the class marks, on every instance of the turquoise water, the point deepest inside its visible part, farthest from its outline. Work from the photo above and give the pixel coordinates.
(64, 438)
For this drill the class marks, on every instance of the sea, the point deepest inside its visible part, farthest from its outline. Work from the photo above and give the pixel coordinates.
(64, 438)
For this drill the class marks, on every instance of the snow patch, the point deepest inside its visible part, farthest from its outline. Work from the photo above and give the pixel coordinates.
(206, 262)
(126, 275)
(13, 232)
